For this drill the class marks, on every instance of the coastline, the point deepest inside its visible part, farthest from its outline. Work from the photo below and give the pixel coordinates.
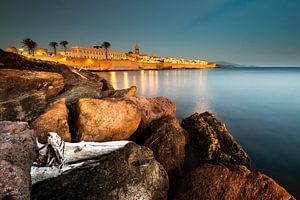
(119, 65)
(79, 99)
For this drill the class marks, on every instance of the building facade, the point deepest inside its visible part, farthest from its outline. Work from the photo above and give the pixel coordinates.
(94, 53)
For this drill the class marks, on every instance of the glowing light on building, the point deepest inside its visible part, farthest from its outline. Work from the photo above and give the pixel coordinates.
(64, 59)
(90, 61)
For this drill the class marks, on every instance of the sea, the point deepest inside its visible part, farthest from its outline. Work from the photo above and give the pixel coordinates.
(259, 105)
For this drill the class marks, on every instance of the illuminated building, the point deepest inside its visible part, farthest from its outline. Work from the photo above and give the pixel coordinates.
(94, 53)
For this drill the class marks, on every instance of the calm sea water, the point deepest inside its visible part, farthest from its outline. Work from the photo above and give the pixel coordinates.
(260, 106)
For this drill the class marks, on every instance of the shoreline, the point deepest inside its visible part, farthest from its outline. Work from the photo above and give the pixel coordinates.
(119, 65)
(81, 106)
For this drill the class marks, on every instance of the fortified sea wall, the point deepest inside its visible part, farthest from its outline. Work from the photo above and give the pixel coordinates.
(94, 64)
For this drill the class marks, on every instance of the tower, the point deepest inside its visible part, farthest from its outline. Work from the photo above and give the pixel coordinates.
(137, 48)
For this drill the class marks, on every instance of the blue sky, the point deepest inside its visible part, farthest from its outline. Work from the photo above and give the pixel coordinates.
(250, 32)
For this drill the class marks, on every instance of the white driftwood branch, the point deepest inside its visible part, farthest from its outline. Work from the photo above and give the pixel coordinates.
(76, 154)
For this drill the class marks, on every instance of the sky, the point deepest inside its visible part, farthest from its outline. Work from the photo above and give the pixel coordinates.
(249, 32)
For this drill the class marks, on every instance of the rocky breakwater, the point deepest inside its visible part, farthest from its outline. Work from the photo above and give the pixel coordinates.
(128, 172)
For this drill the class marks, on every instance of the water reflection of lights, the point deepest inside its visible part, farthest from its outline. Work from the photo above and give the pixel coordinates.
(134, 80)
(142, 83)
(175, 84)
(202, 103)
(156, 82)
(150, 81)
(113, 79)
(126, 81)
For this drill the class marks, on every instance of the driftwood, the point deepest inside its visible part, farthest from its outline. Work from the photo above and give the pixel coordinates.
(75, 155)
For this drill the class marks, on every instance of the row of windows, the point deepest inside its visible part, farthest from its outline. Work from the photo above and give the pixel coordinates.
(93, 52)
(98, 53)
(97, 57)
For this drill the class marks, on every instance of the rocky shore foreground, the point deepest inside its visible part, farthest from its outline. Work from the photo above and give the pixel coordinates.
(134, 147)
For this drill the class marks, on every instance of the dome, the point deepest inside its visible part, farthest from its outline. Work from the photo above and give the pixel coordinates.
(11, 50)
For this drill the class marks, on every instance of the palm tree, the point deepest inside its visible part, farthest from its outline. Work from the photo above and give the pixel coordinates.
(106, 46)
(64, 44)
(54, 46)
(30, 45)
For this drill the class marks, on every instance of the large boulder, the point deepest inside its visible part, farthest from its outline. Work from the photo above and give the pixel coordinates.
(26, 107)
(129, 173)
(76, 89)
(168, 141)
(218, 182)
(211, 142)
(106, 119)
(17, 153)
(14, 83)
(54, 119)
(152, 109)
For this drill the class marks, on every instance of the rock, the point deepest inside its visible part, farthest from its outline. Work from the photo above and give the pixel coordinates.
(218, 182)
(107, 93)
(168, 141)
(77, 89)
(54, 119)
(107, 85)
(211, 141)
(128, 173)
(23, 108)
(152, 109)
(14, 83)
(17, 152)
(105, 120)
(130, 92)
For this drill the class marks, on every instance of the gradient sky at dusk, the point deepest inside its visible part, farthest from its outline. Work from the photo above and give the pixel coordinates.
(250, 32)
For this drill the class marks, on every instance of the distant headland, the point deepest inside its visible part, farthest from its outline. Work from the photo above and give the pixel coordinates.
(100, 58)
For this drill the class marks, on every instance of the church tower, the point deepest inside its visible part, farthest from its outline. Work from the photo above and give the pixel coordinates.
(137, 48)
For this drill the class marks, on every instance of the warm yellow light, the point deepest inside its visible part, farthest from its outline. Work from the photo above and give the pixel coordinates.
(90, 61)
(39, 53)
(21, 49)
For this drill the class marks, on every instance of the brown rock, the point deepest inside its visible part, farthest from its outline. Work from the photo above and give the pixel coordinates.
(211, 141)
(77, 89)
(130, 92)
(128, 173)
(168, 141)
(14, 83)
(106, 85)
(218, 182)
(152, 109)
(55, 119)
(23, 108)
(17, 153)
(105, 120)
